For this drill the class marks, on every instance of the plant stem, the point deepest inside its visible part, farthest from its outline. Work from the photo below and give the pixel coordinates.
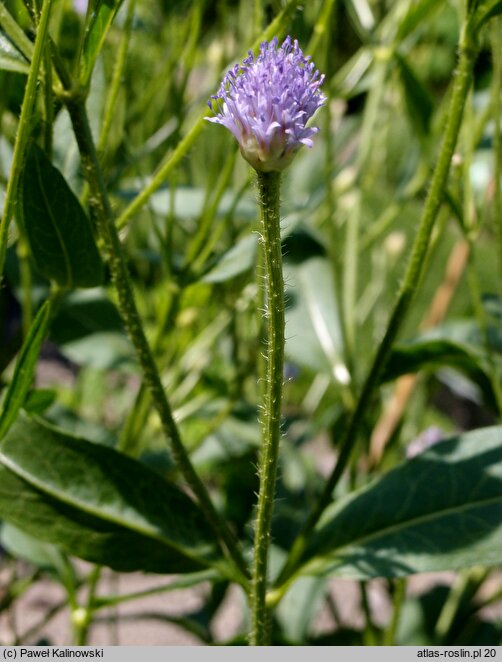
(113, 92)
(26, 286)
(268, 187)
(409, 287)
(462, 591)
(185, 581)
(82, 617)
(369, 633)
(497, 141)
(117, 77)
(23, 131)
(399, 595)
(132, 321)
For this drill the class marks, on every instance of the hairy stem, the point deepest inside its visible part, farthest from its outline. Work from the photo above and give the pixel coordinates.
(409, 287)
(268, 186)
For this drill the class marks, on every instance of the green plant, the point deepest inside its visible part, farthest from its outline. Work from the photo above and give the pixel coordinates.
(128, 239)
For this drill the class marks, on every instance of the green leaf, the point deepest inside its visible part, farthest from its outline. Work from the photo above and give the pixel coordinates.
(10, 58)
(89, 331)
(101, 19)
(39, 400)
(26, 547)
(297, 611)
(439, 511)
(25, 369)
(98, 504)
(58, 231)
(418, 101)
(314, 337)
(103, 351)
(423, 354)
(234, 262)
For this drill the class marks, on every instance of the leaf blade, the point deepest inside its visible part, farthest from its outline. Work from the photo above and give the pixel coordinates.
(102, 18)
(58, 231)
(441, 510)
(11, 59)
(116, 512)
(25, 369)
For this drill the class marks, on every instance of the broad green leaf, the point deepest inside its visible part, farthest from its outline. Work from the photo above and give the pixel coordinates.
(442, 510)
(30, 549)
(89, 331)
(418, 101)
(39, 400)
(25, 369)
(423, 354)
(103, 351)
(82, 314)
(313, 333)
(42, 554)
(101, 18)
(10, 58)
(234, 262)
(58, 231)
(297, 611)
(467, 332)
(98, 504)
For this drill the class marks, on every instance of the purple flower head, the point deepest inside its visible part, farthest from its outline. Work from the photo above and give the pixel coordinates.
(267, 101)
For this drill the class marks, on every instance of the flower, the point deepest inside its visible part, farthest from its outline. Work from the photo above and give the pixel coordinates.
(267, 101)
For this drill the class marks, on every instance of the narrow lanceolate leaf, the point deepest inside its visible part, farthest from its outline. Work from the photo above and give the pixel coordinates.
(439, 511)
(98, 504)
(101, 19)
(24, 370)
(58, 231)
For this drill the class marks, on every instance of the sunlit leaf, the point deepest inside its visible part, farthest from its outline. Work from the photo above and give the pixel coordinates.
(441, 510)
(237, 260)
(425, 354)
(10, 58)
(101, 18)
(98, 504)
